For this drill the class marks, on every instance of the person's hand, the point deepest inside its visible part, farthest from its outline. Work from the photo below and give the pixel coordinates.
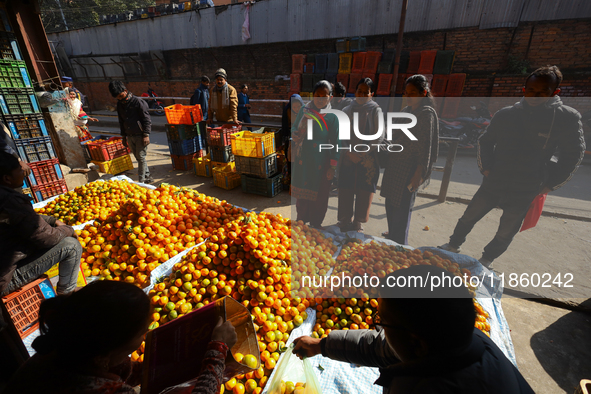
(306, 347)
(247, 106)
(485, 173)
(545, 190)
(25, 167)
(125, 141)
(237, 121)
(59, 223)
(93, 119)
(330, 174)
(415, 182)
(224, 332)
(146, 140)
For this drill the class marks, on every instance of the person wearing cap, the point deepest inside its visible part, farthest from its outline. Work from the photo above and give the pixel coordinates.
(68, 84)
(223, 101)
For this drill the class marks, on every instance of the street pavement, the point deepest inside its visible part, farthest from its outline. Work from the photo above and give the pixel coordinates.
(551, 343)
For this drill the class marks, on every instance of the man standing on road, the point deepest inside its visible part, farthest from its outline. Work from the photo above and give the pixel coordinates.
(201, 97)
(223, 101)
(516, 155)
(135, 124)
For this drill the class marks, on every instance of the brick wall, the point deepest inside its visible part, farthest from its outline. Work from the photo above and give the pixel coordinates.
(482, 54)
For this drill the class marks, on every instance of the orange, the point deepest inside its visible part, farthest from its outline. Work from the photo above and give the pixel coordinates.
(250, 361)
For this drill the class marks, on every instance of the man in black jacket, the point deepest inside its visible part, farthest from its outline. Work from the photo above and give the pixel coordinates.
(415, 357)
(516, 157)
(201, 97)
(135, 124)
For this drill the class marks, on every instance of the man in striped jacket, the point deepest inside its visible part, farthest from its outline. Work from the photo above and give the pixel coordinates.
(518, 157)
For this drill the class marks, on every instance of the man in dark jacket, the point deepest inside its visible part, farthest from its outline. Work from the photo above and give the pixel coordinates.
(516, 157)
(413, 357)
(30, 244)
(135, 124)
(201, 97)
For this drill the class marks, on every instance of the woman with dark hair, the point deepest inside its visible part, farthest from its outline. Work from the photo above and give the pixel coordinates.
(313, 168)
(290, 112)
(359, 171)
(407, 170)
(86, 339)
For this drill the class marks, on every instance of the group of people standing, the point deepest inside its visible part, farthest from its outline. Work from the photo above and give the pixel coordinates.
(529, 149)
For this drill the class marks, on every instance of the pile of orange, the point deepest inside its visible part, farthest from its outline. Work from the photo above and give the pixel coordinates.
(343, 314)
(149, 230)
(94, 200)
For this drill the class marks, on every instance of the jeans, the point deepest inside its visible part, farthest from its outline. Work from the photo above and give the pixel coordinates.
(399, 217)
(67, 252)
(139, 150)
(514, 208)
(245, 118)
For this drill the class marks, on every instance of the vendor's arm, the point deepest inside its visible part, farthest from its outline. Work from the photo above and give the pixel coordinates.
(572, 149)
(234, 105)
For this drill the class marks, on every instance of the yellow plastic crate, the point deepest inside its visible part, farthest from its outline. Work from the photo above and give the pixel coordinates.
(250, 144)
(215, 164)
(115, 166)
(202, 166)
(226, 177)
(345, 63)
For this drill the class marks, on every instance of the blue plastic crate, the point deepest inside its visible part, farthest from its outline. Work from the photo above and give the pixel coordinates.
(26, 126)
(321, 63)
(185, 147)
(260, 168)
(332, 66)
(268, 187)
(35, 149)
(221, 154)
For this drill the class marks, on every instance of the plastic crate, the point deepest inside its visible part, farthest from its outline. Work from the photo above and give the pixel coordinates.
(404, 60)
(260, 168)
(28, 192)
(297, 64)
(183, 114)
(308, 68)
(358, 62)
(23, 305)
(384, 84)
(439, 85)
(183, 163)
(385, 68)
(344, 79)
(185, 147)
(115, 166)
(455, 85)
(332, 78)
(400, 83)
(357, 44)
(268, 187)
(231, 164)
(444, 62)
(9, 47)
(311, 58)
(316, 78)
(353, 81)
(220, 136)
(332, 63)
(342, 45)
(372, 59)
(389, 55)
(295, 82)
(43, 192)
(250, 144)
(35, 149)
(26, 126)
(46, 171)
(202, 166)
(182, 131)
(450, 108)
(427, 62)
(107, 150)
(222, 154)
(345, 63)
(226, 177)
(321, 64)
(18, 101)
(414, 61)
(371, 76)
(307, 82)
(13, 74)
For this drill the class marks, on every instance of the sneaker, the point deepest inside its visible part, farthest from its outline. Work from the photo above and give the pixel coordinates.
(486, 262)
(450, 248)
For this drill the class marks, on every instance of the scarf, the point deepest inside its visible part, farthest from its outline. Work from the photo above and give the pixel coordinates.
(225, 92)
(298, 137)
(366, 113)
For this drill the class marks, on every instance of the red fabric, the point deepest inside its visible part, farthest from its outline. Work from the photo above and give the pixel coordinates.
(534, 212)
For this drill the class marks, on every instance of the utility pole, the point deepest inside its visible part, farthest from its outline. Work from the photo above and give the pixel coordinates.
(62, 12)
(399, 47)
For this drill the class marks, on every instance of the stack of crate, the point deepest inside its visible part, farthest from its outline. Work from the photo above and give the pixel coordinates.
(223, 167)
(185, 138)
(110, 155)
(22, 115)
(256, 162)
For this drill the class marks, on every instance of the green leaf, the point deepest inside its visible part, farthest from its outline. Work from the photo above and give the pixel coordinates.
(282, 349)
(320, 367)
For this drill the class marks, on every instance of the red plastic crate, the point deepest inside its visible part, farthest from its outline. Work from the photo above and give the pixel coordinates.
(46, 171)
(183, 114)
(450, 108)
(43, 192)
(353, 81)
(414, 62)
(23, 305)
(295, 82)
(107, 150)
(439, 85)
(400, 83)
(427, 62)
(308, 68)
(220, 136)
(371, 76)
(455, 85)
(358, 62)
(429, 78)
(384, 84)
(372, 59)
(344, 79)
(185, 163)
(297, 64)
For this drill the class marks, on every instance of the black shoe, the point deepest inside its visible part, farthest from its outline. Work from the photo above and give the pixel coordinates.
(148, 181)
